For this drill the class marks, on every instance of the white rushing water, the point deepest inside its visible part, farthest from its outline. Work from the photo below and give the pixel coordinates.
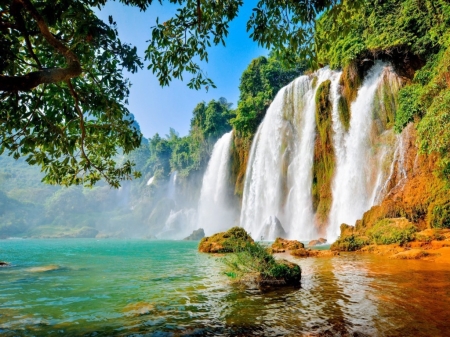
(215, 212)
(353, 189)
(171, 188)
(279, 173)
(278, 181)
(179, 224)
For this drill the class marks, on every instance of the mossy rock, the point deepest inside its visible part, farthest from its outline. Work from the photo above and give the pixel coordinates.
(324, 156)
(281, 245)
(225, 242)
(283, 273)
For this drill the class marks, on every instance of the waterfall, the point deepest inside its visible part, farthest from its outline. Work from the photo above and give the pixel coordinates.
(279, 172)
(358, 175)
(279, 176)
(172, 185)
(215, 212)
(179, 224)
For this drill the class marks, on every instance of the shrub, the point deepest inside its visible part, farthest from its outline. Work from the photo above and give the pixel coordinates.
(254, 258)
(409, 106)
(440, 215)
(349, 243)
(388, 231)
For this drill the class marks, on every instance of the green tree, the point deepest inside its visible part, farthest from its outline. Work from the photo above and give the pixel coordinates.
(260, 82)
(63, 96)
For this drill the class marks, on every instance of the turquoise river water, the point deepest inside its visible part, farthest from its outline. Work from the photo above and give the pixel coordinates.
(88, 287)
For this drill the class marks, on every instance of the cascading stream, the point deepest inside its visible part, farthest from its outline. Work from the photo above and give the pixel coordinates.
(354, 188)
(279, 173)
(215, 213)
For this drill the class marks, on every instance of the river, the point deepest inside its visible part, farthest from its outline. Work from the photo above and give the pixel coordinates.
(111, 287)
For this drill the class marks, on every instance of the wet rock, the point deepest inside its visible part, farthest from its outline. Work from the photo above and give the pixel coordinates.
(282, 245)
(412, 254)
(317, 242)
(225, 242)
(196, 235)
(4, 264)
(272, 229)
(313, 253)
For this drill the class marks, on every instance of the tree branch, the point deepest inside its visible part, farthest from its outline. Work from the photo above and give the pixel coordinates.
(33, 79)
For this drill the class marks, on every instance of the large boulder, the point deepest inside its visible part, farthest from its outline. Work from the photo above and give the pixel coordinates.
(282, 245)
(196, 235)
(272, 229)
(225, 242)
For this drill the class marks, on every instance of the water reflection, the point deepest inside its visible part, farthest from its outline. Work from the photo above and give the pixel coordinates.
(137, 289)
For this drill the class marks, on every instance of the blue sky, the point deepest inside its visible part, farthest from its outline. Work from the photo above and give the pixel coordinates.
(157, 109)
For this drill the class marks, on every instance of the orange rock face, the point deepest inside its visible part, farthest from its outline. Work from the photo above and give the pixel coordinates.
(415, 196)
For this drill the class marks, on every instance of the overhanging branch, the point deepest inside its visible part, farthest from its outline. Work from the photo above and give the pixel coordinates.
(35, 78)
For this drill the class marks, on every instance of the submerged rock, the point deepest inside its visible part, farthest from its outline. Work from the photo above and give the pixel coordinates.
(225, 242)
(272, 229)
(138, 309)
(317, 242)
(43, 268)
(282, 245)
(197, 234)
(4, 264)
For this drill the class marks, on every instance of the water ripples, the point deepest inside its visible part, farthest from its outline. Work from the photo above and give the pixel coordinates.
(125, 288)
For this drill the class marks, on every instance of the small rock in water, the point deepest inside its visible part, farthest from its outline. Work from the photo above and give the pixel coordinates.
(313, 253)
(272, 229)
(4, 264)
(197, 234)
(320, 241)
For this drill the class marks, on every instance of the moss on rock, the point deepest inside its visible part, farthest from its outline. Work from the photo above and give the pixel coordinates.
(324, 157)
(350, 81)
(225, 242)
(281, 245)
(388, 231)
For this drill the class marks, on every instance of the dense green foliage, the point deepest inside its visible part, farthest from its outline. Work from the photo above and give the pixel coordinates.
(191, 153)
(62, 92)
(415, 36)
(260, 82)
(440, 215)
(383, 27)
(70, 125)
(349, 243)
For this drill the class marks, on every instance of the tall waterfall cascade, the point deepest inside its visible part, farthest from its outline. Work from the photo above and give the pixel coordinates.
(279, 176)
(215, 212)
